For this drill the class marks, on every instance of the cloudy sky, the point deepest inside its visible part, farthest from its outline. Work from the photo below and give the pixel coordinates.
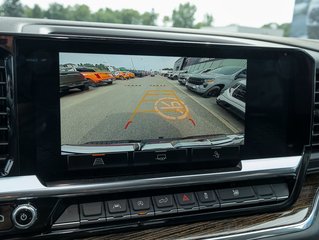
(252, 13)
(127, 61)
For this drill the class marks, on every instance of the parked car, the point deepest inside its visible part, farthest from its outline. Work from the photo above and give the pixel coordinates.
(120, 75)
(96, 78)
(129, 74)
(138, 73)
(70, 79)
(211, 83)
(165, 71)
(169, 74)
(175, 75)
(183, 77)
(234, 99)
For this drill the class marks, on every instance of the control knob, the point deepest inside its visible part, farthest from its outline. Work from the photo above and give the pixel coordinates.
(24, 216)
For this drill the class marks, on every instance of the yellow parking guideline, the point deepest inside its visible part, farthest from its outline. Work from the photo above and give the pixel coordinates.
(168, 103)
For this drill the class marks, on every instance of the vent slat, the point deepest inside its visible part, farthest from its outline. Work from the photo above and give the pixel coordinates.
(5, 162)
(315, 127)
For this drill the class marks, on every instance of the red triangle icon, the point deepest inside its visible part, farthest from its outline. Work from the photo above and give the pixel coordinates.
(185, 198)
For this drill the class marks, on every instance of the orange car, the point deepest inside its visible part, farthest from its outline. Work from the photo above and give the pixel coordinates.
(121, 75)
(132, 75)
(96, 78)
(127, 74)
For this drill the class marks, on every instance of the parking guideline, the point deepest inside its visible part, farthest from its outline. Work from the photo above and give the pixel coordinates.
(220, 118)
(166, 104)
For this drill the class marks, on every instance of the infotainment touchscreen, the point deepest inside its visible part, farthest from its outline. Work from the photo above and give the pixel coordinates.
(115, 99)
(120, 108)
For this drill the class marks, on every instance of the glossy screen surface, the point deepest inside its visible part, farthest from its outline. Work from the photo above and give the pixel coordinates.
(108, 98)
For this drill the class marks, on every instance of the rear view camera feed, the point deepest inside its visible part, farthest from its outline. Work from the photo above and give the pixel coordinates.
(116, 99)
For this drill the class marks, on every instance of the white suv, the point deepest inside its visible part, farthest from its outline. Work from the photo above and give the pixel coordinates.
(234, 98)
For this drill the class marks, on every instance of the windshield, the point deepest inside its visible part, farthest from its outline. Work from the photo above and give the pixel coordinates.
(225, 70)
(201, 71)
(287, 18)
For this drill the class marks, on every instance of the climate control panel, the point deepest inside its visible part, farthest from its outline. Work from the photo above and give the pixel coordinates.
(107, 212)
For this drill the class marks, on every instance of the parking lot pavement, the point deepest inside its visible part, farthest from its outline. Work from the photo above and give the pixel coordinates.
(141, 108)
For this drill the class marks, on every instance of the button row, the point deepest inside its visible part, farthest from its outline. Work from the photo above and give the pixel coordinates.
(151, 158)
(170, 203)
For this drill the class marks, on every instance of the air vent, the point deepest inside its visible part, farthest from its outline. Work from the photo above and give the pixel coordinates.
(315, 129)
(5, 162)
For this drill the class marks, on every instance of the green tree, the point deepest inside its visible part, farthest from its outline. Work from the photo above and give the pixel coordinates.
(130, 16)
(285, 27)
(166, 20)
(106, 15)
(149, 18)
(58, 11)
(184, 16)
(27, 12)
(207, 22)
(11, 8)
(37, 12)
(80, 13)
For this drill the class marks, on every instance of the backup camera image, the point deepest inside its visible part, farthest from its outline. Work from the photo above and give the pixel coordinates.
(107, 99)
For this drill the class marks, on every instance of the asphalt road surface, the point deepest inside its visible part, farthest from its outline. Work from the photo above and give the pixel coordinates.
(139, 109)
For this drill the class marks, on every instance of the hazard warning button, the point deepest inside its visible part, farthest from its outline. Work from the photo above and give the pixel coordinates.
(186, 202)
(98, 160)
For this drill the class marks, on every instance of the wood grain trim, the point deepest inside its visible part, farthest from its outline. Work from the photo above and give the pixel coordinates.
(295, 213)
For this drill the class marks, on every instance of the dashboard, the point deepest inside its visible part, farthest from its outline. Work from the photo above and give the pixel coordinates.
(126, 131)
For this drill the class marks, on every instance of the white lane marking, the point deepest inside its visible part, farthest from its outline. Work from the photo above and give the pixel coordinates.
(223, 120)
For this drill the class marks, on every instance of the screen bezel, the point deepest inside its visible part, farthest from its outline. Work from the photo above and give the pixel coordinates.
(39, 113)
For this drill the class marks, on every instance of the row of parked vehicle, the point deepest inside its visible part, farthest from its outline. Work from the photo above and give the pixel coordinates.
(227, 83)
(83, 77)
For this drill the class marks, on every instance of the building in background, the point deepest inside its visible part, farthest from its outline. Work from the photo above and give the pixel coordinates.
(197, 64)
(178, 65)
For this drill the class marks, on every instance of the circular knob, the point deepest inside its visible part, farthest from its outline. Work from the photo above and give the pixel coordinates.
(24, 216)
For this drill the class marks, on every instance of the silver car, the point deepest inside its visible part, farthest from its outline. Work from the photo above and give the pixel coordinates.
(183, 77)
(210, 84)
